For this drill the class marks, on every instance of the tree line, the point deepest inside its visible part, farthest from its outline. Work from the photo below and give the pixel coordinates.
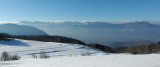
(139, 49)
(45, 38)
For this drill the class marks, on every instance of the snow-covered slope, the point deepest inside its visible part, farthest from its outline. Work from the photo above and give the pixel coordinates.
(118, 60)
(69, 55)
(26, 48)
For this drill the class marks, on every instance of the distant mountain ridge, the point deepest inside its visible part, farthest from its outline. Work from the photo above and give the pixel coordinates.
(92, 24)
(15, 29)
(100, 32)
(82, 23)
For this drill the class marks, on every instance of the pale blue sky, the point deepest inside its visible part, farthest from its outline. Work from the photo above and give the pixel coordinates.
(79, 10)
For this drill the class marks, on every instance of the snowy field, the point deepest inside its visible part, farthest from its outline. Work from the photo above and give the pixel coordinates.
(26, 48)
(118, 60)
(69, 55)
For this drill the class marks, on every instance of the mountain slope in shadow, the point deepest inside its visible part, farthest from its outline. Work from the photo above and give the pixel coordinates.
(15, 29)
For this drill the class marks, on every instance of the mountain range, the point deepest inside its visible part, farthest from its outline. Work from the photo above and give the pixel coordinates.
(101, 32)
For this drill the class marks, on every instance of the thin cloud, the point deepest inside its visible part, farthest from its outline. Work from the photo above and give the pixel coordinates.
(4, 22)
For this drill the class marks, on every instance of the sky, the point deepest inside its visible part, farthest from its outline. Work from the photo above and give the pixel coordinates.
(79, 10)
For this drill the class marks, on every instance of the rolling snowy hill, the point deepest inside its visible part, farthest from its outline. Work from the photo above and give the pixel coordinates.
(27, 48)
(69, 55)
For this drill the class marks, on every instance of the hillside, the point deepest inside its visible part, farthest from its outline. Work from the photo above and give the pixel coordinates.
(47, 38)
(70, 55)
(139, 47)
(29, 47)
(20, 30)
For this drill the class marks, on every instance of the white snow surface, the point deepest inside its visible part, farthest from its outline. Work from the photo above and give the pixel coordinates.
(26, 48)
(69, 55)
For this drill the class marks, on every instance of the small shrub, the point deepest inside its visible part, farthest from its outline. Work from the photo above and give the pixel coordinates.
(135, 53)
(44, 55)
(34, 56)
(7, 57)
(106, 53)
(15, 57)
(83, 54)
(86, 54)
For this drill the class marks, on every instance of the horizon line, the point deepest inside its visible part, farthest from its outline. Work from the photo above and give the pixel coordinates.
(61, 21)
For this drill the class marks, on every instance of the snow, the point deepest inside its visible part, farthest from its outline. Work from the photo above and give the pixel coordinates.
(118, 60)
(26, 48)
(69, 55)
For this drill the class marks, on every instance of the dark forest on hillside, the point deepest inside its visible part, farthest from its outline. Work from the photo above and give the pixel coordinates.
(47, 38)
(140, 49)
